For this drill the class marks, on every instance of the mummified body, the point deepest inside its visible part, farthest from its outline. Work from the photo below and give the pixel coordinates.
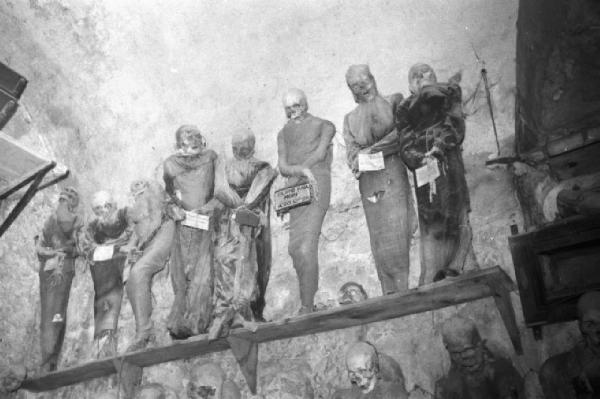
(305, 155)
(57, 248)
(475, 373)
(243, 252)
(385, 193)
(432, 129)
(148, 252)
(189, 177)
(576, 374)
(109, 229)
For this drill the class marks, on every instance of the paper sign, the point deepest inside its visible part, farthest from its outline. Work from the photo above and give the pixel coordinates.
(103, 252)
(428, 173)
(368, 162)
(196, 221)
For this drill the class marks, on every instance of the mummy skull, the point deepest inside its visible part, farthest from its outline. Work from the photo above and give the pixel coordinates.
(362, 363)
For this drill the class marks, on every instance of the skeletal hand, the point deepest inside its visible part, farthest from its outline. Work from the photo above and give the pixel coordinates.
(313, 182)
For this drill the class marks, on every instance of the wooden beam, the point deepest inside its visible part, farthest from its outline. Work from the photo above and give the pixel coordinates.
(452, 291)
(24, 200)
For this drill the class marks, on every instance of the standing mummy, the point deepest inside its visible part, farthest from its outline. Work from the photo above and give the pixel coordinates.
(305, 154)
(385, 193)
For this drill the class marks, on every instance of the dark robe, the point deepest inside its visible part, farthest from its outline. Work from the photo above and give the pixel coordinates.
(497, 380)
(107, 274)
(190, 182)
(572, 375)
(385, 194)
(54, 292)
(243, 253)
(433, 118)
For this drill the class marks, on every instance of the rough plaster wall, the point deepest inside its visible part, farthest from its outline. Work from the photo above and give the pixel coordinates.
(110, 82)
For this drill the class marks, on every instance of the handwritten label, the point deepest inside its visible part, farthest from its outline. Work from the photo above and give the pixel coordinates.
(103, 252)
(428, 172)
(369, 162)
(289, 197)
(196, 221)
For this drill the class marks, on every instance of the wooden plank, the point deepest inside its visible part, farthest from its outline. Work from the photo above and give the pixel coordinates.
(452, 291)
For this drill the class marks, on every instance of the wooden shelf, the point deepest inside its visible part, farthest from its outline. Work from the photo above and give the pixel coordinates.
(492, 282)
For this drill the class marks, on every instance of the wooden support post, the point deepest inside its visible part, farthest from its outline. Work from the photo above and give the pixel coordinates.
(31, 190)
(246, 354)
(129, 377)
(507, 312)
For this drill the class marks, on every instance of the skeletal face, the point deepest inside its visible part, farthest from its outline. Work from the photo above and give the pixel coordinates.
(420, 75)
(189, 141)
(206, 382)
(590, 328)
(363, 366)
(361, 84)
(242, 145)
(351, 293)
(464, 344)
(103, 206)
(68, 200)
(295, 104)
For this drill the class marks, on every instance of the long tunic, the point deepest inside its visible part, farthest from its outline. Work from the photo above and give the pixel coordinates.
(385, 193)
(54, 293)
(242, 264)
(430, 119)
(107, 274)
(191, 181)
(301, 140)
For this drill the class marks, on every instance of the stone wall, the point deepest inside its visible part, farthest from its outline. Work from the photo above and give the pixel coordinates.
(109, 82)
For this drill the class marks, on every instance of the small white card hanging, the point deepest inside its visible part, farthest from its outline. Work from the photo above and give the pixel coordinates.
(428, 172)
(103, 252)
(370, 162)
(196, 221)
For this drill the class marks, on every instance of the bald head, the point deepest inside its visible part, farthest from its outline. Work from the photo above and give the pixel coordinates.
(589, 301)
(295, 104)
(459, 333)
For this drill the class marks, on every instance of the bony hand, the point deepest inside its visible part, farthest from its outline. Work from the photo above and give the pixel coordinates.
(313, 182)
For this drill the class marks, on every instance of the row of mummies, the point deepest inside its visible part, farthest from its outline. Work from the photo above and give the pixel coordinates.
(221, 282)
(220, 275)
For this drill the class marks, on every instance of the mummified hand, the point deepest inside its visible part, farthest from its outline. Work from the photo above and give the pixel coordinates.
(313, 182)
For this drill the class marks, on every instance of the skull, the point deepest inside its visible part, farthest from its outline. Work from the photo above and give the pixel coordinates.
(138, 187)
(242, 144)
(351, 292)
(362, 363)
(68, 200)
(189, 141)
(361, 83)
(420, 75)
(103, 206)
(461, 339)
(208, 382)
(295, 104)
(588, 308)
